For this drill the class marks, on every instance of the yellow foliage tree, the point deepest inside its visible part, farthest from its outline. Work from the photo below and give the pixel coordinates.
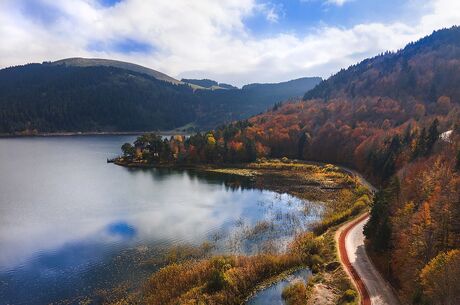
(211, 140)
(440, 278)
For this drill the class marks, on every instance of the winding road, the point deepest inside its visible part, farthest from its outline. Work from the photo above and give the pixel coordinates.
(373, 289)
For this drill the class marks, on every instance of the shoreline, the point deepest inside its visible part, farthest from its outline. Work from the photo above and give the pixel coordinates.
(91, 133)
(279, 177)
(311, 181)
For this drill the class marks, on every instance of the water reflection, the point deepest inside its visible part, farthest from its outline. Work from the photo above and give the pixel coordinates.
(70, 223)
(121, 229)
(272, 295)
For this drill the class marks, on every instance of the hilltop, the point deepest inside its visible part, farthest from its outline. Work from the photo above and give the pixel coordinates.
(94, 95)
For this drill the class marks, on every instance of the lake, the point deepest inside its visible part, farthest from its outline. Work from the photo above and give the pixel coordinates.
(272, 295)
(71, 223)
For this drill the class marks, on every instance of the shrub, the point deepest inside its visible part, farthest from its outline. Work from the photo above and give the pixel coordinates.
(348, 296)
(358, 206)
(315, 263)
(295, 294)
(305, 246)
(217, 281)
(322, 226)
(338, 218)
(365, 198)
(361, 190)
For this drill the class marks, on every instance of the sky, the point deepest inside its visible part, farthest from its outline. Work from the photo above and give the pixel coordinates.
(231, 41)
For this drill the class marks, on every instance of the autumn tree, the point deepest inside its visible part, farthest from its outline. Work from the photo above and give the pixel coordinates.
(127, 150)
(440, 278)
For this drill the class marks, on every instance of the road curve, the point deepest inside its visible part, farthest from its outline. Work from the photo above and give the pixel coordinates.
(373, 289)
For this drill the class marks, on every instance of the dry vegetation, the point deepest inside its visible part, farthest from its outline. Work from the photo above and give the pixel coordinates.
(231, 279)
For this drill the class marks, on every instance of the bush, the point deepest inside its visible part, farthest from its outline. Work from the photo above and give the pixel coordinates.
(361, 190)
(365, 198)
(322, 226)
(358, 206)
(295, 294)
(315, 263)
(338, 218)
(348, 296)
(306, 245)
(217, 281)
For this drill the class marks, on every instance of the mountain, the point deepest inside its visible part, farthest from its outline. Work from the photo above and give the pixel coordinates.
(227, 86)
(250, 99)
(396, 119)
(422, 71)
(360, 106)
(77, 94)
(57, 98)
(207, 83)
(94, 62)
(296, 86)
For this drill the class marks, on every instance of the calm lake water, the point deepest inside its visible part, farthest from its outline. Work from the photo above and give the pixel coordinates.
(272, 294)
(70, 223)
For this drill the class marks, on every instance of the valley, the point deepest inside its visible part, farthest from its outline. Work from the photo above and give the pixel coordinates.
(243, 152)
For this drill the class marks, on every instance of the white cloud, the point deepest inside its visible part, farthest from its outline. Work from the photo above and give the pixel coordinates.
(330, 2)
(204, 38)
(270, 11)
(337, 2)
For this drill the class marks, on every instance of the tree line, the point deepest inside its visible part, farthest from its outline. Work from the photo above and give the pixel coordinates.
(226, 144)
(396, 119)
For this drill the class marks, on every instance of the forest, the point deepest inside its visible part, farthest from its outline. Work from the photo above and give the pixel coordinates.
(396, 119)
(217, 146)
(53, 97)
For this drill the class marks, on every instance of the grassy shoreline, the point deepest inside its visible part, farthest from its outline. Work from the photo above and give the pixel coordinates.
(343, 195)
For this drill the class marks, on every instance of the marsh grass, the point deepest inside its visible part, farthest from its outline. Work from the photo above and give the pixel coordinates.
(196, 277)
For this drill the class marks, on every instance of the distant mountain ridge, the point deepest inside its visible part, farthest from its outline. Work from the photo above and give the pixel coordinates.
(92, 62)
(208, 83)
(88, 95)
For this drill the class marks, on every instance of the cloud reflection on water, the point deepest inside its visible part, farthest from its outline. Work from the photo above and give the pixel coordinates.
(65, 213)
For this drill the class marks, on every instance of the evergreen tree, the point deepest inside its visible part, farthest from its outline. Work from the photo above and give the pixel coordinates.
(457, 165)
(421, 145)
(433, 136)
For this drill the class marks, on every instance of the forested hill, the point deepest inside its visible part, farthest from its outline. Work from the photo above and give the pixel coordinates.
(85, 95)
(249, 100)
(423, 70)
(50, 98)
(207, 83)
(93, 62)
(362, 124)
(395, 118)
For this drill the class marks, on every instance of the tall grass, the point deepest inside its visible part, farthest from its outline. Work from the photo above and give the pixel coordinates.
(220, 280)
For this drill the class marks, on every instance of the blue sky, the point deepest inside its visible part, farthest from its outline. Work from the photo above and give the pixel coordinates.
(301, 17)
(233, 41)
